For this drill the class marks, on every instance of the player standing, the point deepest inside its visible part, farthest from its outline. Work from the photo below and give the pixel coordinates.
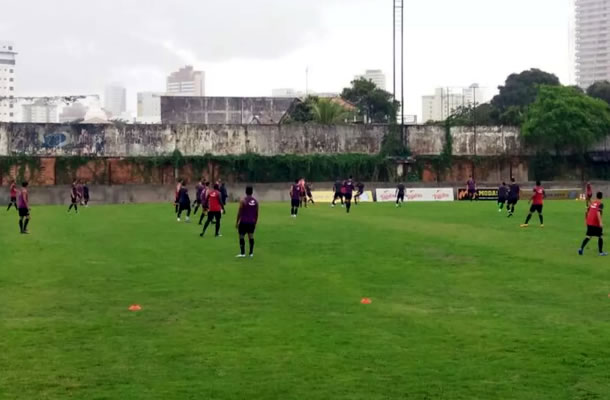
(595, 227)
(514, 192)
(400, 194)
(338, 194)
(214, 201)
(308, 192)
(13, 196)
(247, 218)
(198, 190)
(23, 204)
(177, 196)
(73, 197)
(502, 195)
(303, 200)
(349, 191)
(203, 198)
(360, 187)
(184, 202)
(471, 186)
(86, 194)
(79, 190)
(537, 201)
(589, 190)
(295, 198)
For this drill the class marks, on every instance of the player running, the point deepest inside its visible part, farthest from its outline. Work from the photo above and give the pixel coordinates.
(74, 197)
(247, 217)
(214, 201)
(198, 189)
(349, 190)
(203, 199)
(184, 202)
(502, 196)
(595, 227)
(537, 201)
(471, 187)
(514, 192)
(295, 198)
(13, 196)
(23, 204)
(337, 189)
(589, 193)
(360, 187)
(308, 193)
(400, 194)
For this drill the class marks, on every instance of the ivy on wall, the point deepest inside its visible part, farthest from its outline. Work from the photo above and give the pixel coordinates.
(22, 162)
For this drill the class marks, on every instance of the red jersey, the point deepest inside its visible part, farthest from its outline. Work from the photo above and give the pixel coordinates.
(594, 208)
(539, 194)
(214, 203)
(13, 190)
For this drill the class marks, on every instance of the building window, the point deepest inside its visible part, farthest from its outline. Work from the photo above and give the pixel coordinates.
(10, 114)
(11, 88)
(10, 79)
(10, 71)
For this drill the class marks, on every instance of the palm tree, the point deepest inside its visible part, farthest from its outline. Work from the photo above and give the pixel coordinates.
(326, 111)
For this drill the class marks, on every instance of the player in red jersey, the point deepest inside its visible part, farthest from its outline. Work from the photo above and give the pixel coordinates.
(595, 227)
(247, 218)
(589, 193)
(214, 201)
(23, 204)
(13, 198)
(537, 201)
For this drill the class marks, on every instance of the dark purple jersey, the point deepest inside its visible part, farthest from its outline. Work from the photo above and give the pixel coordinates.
(349, 187)
(295, 192)
(249, 210)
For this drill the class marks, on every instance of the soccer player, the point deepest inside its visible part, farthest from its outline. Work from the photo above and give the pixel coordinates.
(360, 187)
(247, 217)
(86, 194)
(214, 201)
(23, 204)
(303, 200)
(400, 194)
(177, 196)
(223, 193)
(337, 189)
(79, 190)
(537, 201)
(502, 195)
(349, 190)
(295, 198)
(198, 190)
(203, 198)
(184, 202)
(13, 196)
(514, 192)
(471, 186)
(595, 227)
(308, 192)
(73, 197)
(589, 190)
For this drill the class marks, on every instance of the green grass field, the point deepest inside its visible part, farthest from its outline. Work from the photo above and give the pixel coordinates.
(465, 305)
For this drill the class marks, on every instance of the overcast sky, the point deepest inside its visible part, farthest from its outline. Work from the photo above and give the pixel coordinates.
(249, 47)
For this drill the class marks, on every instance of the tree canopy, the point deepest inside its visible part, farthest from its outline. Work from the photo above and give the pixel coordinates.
(374, 104)
(564, 119)
(326, 111)
(600, 90)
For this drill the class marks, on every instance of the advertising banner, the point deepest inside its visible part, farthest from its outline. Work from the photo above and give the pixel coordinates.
(326, 196)
(480, 194)
(434, 194)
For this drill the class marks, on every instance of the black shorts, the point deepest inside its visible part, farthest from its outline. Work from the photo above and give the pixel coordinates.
(501, 200)
(74, 200)
(338, 195)
(595, 231)
(512, 201)
(246, 228)
(295, 202)
(24, 212)
(348, 197)
(13, 199)
(185, 207)
(471, 192)
(536, 208)
(400, 197)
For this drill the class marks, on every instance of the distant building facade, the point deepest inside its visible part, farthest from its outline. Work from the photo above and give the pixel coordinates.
(376, 76)
(40, 111)
(592, 41)
(8, 81)
(115, 100)
(72, 113)
(444, 101)
(287, 92)
(186, 82)
(149, 107)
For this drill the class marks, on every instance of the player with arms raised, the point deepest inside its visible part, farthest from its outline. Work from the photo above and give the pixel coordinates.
(247, 218)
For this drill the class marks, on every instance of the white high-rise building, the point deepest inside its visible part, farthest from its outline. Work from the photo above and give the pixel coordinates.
(149, 107)
(186, 82)
(115, 100)
(376, 76)
(40, 111)
(445, 101)
(8, 74)
(592, 41)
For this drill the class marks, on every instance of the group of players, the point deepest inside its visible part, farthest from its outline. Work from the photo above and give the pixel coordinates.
(79, 194)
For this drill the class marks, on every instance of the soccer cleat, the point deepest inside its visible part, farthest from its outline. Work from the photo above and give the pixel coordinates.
(240, 256)
(581, 252)
(602, 254)
(542, 225)
(178, 219)
(524, 225)
(500, 210)
(201, 235)
(251, 255)
(219, 235)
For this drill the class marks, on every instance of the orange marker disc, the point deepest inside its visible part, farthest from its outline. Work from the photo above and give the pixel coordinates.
(135, 307)
(365, 301)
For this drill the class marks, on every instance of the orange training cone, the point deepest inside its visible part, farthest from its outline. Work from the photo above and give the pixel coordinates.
(365, 301)
(135, 307)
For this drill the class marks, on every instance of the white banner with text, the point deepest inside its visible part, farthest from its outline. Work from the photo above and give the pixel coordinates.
(435, 194)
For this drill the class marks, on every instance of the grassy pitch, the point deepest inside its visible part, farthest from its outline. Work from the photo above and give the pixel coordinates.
(465, 305)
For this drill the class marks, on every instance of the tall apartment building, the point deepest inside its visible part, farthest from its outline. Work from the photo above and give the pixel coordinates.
(40, 111)
(115, 100)
(444, 101)
(592, 41)
(186, 82)
(149, 107)
(8, 74)
(376, 76)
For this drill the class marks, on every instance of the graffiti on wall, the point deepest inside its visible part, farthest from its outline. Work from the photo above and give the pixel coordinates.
(58, 141)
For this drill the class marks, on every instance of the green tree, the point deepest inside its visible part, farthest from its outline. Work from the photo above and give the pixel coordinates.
(374, 104)
(600, 90)
(326, 111)
(519, 91)
(564, 119)
(482, 115)
(302, 111)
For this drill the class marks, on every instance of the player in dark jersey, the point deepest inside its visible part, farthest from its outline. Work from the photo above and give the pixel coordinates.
(338, 190)
(595, 227)
(349, 191)
(247, 218)
(589, 193)
(79, 190)
(360, 187)
(73, 197)
(86, 194)
(23, 204)
(203, 198)
(514, 192)
(471, 187)
(216, 208)
(537, 201)
(309, 193)
(303, 200)
(198, 189)
(177, 196)
(400, 194)
(13, 196)
(184, 202)
(295, 198)
(502, 196)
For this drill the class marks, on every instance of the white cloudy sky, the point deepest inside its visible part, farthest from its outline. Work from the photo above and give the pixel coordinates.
(248, 47)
